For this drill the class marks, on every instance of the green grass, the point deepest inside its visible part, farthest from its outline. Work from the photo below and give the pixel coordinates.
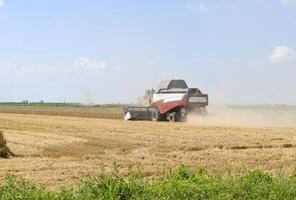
(181, 184)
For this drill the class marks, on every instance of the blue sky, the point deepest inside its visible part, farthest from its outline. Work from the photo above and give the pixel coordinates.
(107, 51)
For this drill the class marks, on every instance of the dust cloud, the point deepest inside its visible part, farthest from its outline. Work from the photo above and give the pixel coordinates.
(247, 116)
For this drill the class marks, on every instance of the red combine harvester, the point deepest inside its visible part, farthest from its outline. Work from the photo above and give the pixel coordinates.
(172, 101)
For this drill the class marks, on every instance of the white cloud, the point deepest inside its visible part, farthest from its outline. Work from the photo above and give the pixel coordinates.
(151, 62)
(40, 43)
(88, 64)
(283, 54)
(198, 7)
(1, 3)
(3, 18)
(289, 2)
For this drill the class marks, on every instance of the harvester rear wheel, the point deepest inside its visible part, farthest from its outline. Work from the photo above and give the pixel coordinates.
(172, 117)
(204, 111)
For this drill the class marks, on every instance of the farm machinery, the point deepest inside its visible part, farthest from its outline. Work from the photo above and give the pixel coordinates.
(172, 101)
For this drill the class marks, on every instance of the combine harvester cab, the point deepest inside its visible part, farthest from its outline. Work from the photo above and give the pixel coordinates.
(172, 101)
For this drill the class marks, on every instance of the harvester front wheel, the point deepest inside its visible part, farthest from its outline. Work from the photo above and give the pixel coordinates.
(155, 115)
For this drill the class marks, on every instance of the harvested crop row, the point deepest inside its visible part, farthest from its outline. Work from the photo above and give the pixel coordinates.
(88, 112)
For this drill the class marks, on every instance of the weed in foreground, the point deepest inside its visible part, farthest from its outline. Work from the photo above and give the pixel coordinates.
(181, 184)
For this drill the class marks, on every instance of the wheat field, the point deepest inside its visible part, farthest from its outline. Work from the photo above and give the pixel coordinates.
(58, 150)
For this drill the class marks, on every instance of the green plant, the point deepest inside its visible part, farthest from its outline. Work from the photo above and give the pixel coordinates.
(181, 184)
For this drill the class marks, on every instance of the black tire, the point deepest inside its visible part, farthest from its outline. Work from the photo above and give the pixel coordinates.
(172, 117)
